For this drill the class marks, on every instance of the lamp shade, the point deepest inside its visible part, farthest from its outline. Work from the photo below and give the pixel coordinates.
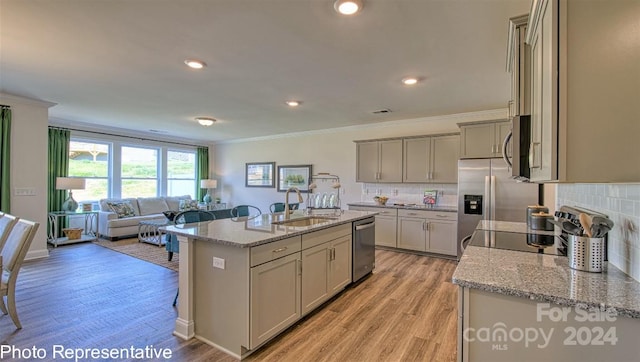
(208, 184)
(70, 183)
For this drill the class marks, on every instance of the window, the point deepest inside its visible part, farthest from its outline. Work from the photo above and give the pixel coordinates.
(90, 160)
(181, 173)
(139, 172)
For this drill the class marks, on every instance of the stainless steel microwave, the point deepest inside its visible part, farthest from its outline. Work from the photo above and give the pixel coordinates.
(520, 138)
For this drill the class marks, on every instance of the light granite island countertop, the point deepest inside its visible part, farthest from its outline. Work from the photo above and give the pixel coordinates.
(242, 281)
(506, 288)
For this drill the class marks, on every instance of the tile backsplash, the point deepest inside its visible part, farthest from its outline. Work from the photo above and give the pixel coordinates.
(621, 202)
(410, 193)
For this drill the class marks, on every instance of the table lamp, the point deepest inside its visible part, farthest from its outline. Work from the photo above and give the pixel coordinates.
(70, 183)
(208, 184)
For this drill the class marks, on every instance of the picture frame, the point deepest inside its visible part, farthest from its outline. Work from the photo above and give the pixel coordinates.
(260, 174)
(298, 176)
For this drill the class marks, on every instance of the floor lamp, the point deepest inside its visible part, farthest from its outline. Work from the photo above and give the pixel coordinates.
(70, 183)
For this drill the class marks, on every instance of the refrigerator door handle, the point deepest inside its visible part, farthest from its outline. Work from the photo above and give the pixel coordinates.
(487, 193)
(493, 197)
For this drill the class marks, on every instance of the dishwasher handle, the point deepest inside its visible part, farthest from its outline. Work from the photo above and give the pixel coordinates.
(365, 226)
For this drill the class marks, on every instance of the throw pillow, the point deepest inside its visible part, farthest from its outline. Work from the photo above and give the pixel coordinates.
(122, 209)
(188, 205)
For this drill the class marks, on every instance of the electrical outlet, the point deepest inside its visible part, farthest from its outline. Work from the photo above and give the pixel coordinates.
(218, 263)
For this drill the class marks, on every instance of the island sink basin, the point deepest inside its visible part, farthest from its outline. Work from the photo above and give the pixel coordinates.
(303, 221)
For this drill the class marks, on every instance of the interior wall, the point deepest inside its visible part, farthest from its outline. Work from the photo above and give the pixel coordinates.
(330, 151)
(621, 203)
(29, 154)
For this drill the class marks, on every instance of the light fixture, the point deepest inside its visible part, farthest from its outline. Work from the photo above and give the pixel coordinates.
(208, 184)
(293, 103)
(195, 64)
(410, 80)
(348, 7)
(206, 121)
(70, 183)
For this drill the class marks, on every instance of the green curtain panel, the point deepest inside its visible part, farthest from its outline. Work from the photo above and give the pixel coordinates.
(5, 160)
(58, 167)
(202, 171)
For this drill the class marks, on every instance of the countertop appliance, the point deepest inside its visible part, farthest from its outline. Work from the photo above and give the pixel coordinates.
(486, 191)
(532, 243)
(364, 248)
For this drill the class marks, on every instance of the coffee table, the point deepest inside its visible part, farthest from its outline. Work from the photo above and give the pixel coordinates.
(148, 231)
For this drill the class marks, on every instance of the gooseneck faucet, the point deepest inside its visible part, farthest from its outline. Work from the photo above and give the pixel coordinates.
(286, 200)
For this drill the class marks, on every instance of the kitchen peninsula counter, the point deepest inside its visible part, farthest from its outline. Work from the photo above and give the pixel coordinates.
(242, 281)
(509, 290)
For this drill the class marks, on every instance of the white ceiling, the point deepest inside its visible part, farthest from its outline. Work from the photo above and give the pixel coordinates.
(117, 64)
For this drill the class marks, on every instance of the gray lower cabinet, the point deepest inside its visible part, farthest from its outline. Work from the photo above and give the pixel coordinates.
(275, 297)
(386, 224)
(412, 232)
(326, 268)
(430, 231)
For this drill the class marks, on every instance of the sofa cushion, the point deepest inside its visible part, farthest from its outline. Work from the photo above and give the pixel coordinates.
(132, 201)
(152, 205)
(134, 221)
(122, 209)
(188, 205)
(174, 201)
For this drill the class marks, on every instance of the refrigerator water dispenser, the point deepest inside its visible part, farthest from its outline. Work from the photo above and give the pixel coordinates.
(473, 204)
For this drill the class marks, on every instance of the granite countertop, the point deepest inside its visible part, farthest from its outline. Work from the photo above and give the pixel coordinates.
(406, 206)
(242, 232)
(513, 227)
(546, 278)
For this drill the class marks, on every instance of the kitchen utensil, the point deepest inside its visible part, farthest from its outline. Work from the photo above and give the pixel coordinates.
(586, 253)
(601, 230)
(571, 228)
(602, 220)
(585, 221)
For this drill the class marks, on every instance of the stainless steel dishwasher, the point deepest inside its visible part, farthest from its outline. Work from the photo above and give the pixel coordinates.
(364, 253)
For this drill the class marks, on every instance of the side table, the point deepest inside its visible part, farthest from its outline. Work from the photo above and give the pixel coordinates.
(148, 231)
(89, 234)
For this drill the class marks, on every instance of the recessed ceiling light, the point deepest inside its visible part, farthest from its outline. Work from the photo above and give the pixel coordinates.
(347, 7)
(206, 121)
(409, 81)
(195, 64)
(293, 103)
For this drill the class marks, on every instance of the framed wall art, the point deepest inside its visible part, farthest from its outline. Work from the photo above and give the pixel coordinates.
(260, 174)
(294, 176)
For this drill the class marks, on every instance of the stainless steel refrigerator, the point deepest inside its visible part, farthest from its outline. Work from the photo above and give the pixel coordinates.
(486, 191)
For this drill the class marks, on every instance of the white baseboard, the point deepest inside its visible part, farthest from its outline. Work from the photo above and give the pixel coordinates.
(37, 254)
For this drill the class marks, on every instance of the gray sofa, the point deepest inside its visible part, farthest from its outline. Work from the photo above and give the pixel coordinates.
(144, 209)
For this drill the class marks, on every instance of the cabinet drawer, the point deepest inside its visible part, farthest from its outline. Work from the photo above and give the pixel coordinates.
(382, 211)
(277, 249)
(442, 215)
(413, 213)
(322, 236)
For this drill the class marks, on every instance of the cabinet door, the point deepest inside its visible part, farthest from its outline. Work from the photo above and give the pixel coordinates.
(417, 159)
(444, 159)
(275, 298)
(442, 236)
(340, 264)
(390, 153)
(412, 234)
(386, 230)
(502, 130)
(477, 140)
(315, 272)
(367, 162)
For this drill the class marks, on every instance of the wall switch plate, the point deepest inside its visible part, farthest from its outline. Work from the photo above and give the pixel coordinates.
(24, 191)
(218, 263)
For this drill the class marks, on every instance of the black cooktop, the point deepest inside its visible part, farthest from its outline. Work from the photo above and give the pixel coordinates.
(532, 243)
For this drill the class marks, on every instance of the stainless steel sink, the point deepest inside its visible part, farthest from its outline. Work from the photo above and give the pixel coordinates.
(304, 221)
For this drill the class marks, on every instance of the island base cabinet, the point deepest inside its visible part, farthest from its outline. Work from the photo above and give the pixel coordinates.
(275, 298)
(498, 327)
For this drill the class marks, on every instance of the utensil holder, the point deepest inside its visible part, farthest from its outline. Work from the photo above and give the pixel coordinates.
(586, 253)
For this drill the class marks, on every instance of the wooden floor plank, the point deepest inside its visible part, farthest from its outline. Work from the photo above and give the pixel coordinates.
(86, 296)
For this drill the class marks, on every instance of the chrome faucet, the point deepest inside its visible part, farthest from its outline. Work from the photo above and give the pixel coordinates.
(286, 200)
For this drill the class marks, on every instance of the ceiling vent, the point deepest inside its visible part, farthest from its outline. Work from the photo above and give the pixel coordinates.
(382, 111)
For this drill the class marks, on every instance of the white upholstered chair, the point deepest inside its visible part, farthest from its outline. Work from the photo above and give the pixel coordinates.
(11, 258)
(6, 224)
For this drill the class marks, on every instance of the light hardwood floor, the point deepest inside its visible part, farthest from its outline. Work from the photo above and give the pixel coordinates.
(86, 296)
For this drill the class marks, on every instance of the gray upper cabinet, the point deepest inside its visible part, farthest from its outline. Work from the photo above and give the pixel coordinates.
(379, 161)
(584, 91)
(483, 139)
(431, 159)
(518, 64)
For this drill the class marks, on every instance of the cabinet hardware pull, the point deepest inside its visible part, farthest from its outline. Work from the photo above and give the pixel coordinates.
(299, 266)
(280, 250)
(438, 215)
(427, 226)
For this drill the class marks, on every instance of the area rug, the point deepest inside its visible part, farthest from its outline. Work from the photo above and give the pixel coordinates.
(147, 252)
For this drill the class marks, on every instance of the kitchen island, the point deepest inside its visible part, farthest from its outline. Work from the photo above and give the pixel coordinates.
(532, 307)
(243, 281)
